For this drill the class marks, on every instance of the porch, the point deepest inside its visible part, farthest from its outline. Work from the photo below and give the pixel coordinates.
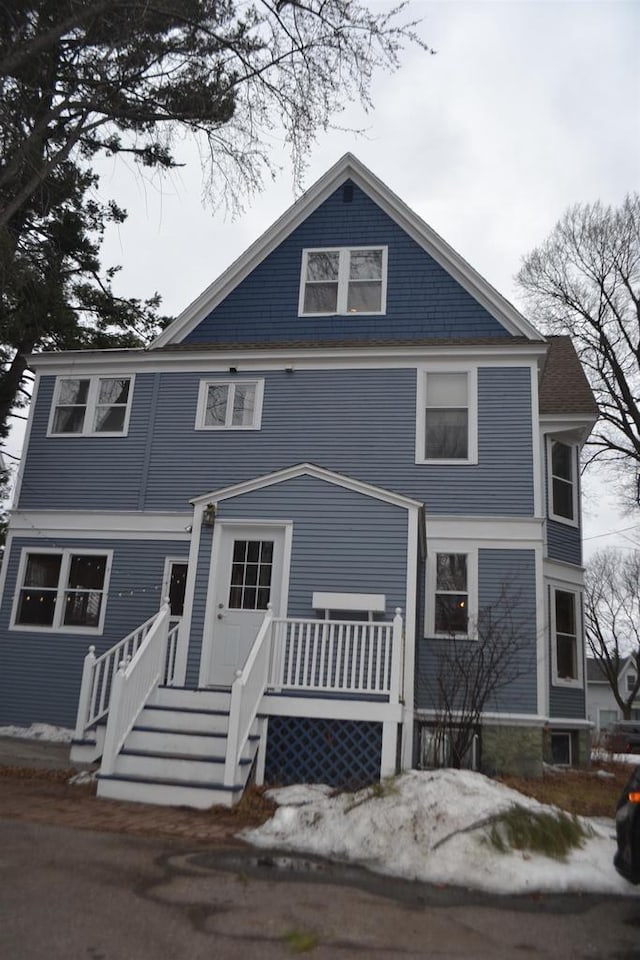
(163, 743)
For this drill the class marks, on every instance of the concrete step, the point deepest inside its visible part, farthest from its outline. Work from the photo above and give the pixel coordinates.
(202, 699)
(167, 792)
(184, 720)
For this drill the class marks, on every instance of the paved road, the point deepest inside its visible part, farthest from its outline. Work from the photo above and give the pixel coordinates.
(78, 895)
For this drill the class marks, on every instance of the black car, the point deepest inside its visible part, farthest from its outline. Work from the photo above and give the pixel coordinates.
(627, 857)
(623, 737)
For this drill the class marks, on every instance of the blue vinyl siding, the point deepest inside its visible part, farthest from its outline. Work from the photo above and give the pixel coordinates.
(423, 300)
(564, 542)
(41, 670)
(497, 569)
(342, 541)
(357, 422)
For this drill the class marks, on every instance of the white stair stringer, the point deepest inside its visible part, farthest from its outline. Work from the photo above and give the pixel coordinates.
(175, 753)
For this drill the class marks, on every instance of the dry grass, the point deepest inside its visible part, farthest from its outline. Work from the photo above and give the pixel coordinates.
(583, 792)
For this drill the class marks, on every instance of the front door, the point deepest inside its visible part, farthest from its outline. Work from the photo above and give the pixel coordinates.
(249, 575)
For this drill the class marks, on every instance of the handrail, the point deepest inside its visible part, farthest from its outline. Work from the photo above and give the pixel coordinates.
(246, 694)
(98, 674)
(132, 685)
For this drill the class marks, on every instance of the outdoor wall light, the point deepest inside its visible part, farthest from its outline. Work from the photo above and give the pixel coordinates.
(209, 515)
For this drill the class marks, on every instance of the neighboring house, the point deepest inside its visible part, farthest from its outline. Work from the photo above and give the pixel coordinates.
(345, 452)
(602, 708)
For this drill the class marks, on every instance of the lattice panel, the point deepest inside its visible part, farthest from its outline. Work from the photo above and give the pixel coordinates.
(341, 753)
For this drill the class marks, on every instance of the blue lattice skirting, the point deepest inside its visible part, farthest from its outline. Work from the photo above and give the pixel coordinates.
(341, 753)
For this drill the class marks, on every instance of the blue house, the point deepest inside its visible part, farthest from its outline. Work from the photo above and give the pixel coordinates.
(252, 548)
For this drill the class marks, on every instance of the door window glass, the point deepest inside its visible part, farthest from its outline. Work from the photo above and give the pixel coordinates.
(251, 569)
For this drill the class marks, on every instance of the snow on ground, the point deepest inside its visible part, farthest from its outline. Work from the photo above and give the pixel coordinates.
(39, 731)
(432, 826)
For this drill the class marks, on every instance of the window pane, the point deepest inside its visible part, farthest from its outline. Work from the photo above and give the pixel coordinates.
(451, 614)
(216, 408)
(323, 265)
(364, 297)
(446, 434)
(243, 404)
(114, 391)
(565, 612)
(563, 498)
(561, 461)
(87, 572)
(251, 574)
(43, 570)
(321, 298)
(177, 584)
(266, 554)
(447, 389)
(73, 391)
(82, 609)
(365, 265)
(566, 648)
(451, 571)
(69, 420)
(110, 419)
(36, 607)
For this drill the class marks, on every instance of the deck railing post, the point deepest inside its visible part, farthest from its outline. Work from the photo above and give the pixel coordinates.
(84, 700)
(110, 749)
(397, 640)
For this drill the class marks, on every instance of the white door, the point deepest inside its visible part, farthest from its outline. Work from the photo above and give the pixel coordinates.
(249, 575)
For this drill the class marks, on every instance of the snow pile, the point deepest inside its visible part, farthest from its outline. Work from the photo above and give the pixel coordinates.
(39, 731)
(433, 827)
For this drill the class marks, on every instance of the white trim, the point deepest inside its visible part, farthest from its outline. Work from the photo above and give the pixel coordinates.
(344, 278)
(542, 642)
(27, 436)
(273, 704)
(470, 550)
(231, 383)
(364, 602)
(573, 683)
(494, 719)
(575, 470)
(349, 168)
(72, 523)
(536, 452)
(563, 572)
(471, 373)
(91, 405)
(207, 360)
(310, 470)
(63, 580)
(184, 635)
(511, 532)
(8, 546)
(411, 611)
(166, 577)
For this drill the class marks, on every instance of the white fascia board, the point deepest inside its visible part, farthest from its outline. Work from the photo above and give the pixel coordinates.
(67, 523)
(494, 719)
(576, 427)
(219, 360)
(306, 470)
(496, 531)
(288, 705)
(563, 572)
(350, 168)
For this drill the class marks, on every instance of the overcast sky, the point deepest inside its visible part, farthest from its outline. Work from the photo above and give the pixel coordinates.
(526, 108)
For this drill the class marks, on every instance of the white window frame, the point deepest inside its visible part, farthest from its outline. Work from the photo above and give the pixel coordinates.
(471, 552)
(572, 682)
(91, 405)
(58, 626)
(231, 383)
(472, 414)
(343, 281)
(571, 522)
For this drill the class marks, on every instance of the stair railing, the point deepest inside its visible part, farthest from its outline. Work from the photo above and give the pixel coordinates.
(133, 684)
(246, 693)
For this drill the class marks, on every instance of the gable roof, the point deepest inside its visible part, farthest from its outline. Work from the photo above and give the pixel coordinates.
(564, 388)
(349, 168)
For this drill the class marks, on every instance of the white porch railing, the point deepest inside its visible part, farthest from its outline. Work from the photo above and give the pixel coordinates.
(337, 657)
(132, 685)
(246, 694)
(98, 673)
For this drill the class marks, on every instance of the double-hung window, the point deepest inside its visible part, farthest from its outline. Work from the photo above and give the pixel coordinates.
(62, 590)
(446, 430)
(451, 591)
(562, 481)
(343, 280)
(230, 405)
(91, 406)
(564, 616)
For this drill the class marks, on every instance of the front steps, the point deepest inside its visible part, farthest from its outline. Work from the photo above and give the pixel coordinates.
(175, 753)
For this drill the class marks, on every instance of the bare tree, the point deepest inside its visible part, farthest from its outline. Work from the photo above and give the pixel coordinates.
(612, 618)
(585, 281)
(471, 673)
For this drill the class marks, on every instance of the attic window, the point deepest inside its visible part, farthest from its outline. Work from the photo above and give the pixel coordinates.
(343, 280)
